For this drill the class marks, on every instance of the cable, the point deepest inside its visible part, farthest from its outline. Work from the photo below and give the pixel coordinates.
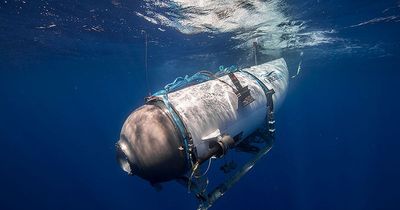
(145, 61)
(208, 168)
(299, 66)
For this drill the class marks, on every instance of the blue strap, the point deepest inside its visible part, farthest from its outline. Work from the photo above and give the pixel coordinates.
(268, 93)
(270, 104)
(180, 125)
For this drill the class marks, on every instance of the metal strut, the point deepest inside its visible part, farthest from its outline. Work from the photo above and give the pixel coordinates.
(224, 187)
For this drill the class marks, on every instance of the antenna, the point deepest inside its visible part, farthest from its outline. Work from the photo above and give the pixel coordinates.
(145, 60)
(255, 52)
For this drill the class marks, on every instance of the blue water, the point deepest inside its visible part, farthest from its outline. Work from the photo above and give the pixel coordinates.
(72, 71)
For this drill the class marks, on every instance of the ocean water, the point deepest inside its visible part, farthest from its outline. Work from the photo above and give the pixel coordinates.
(72, 71)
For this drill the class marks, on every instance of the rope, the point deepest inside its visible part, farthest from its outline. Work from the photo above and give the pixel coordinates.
(299, 66)
(145, 61)
(208, 168)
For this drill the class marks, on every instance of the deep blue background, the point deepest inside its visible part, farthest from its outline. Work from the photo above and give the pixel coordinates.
(65, 92)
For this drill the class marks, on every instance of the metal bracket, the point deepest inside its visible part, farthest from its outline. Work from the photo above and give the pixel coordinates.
(243, 93)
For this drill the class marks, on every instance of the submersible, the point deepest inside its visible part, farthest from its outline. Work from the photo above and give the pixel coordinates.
(178, 129)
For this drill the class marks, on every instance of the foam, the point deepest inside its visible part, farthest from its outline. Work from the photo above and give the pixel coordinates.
(247, 20)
